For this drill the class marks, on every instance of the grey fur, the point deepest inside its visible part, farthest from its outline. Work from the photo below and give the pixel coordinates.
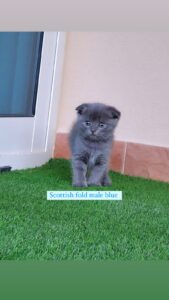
(91, 143)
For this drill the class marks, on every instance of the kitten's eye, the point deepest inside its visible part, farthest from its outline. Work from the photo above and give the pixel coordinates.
(87, 123)
(101, 125)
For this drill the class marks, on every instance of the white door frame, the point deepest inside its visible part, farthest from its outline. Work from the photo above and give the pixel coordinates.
(37, 158)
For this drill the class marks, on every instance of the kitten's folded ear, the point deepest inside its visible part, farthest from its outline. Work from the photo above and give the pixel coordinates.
(114, 112)
(81, 108)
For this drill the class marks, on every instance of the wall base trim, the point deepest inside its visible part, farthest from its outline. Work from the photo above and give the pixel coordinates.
(128, 158)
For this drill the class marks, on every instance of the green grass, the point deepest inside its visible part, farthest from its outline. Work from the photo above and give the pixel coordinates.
(136, 228)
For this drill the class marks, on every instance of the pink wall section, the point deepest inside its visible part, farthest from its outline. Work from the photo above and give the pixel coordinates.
(126, 69)
(129, 70)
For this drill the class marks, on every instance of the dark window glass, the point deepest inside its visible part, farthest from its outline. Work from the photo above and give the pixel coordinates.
(20, 56)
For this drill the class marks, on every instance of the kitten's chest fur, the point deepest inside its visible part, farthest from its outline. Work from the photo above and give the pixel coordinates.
(94, 154)
(92, 159)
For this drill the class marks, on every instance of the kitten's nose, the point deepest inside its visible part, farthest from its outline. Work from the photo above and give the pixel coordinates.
(92, 130)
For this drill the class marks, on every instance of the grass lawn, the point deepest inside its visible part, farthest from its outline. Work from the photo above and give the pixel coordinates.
(136, 228)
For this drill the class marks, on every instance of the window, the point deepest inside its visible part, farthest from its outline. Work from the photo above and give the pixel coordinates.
(20, 56)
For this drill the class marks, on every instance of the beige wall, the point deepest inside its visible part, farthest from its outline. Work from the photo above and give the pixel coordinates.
(127, 70)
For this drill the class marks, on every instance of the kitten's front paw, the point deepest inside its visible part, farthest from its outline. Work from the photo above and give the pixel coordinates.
(79, 184)
(93, 183)
(106, 181)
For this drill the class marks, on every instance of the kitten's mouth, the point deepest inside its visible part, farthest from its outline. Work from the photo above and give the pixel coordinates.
(93, 136)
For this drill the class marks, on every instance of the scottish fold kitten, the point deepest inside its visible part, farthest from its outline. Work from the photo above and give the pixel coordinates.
(91, 140)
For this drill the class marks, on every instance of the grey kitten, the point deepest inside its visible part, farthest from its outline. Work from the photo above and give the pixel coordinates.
(91, 140)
